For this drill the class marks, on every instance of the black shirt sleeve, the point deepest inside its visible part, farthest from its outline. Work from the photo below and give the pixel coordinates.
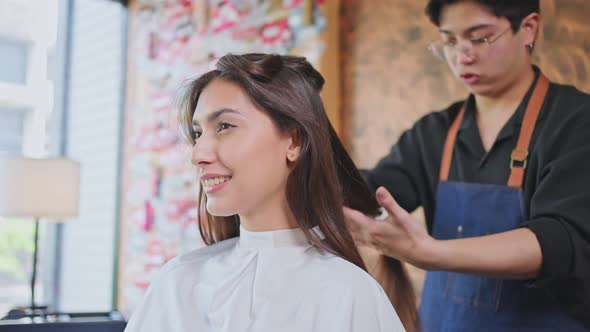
(410, 170)
(397, 172)
(560, 205)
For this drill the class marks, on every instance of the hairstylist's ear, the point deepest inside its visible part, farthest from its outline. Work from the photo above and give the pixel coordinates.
(294, 149)
(530, 28)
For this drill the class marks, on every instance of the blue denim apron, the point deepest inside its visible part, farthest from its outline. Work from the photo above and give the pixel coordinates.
(466, 302)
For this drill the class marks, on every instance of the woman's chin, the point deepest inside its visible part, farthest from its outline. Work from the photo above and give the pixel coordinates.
(218, 210)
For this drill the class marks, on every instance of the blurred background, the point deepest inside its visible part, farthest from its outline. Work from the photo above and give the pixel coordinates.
(94, 81)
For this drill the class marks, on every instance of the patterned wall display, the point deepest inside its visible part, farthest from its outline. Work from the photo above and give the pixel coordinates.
(171, 41)
(390, 79)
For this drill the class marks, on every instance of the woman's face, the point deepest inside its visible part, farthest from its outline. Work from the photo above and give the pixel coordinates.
(241, 155)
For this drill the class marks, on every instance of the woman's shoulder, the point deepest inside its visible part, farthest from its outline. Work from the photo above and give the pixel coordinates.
(343, 275)
(352, 292)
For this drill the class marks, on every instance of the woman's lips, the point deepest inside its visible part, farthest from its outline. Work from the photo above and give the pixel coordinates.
(213, 184)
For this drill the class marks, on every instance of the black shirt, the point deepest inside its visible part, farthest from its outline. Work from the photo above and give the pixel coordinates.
(556, 187)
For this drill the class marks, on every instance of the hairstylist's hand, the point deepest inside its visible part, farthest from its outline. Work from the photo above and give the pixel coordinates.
(399, 235)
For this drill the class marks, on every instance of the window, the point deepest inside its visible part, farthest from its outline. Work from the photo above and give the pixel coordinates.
(14, 59)
(82, 121)
(11, 131)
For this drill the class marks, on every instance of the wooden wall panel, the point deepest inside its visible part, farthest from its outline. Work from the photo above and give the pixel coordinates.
(390, 79)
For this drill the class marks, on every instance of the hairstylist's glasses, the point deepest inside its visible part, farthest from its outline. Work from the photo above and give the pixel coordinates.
(471, 47)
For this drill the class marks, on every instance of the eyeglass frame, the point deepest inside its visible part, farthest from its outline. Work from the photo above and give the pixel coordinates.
(474, 43)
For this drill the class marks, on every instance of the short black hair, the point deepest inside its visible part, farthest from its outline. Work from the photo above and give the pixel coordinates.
(514, 10)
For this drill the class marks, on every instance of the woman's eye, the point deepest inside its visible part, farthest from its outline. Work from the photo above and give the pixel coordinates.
(223, 126)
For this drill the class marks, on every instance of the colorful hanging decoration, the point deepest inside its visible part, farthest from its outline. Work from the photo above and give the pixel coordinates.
(172, 42)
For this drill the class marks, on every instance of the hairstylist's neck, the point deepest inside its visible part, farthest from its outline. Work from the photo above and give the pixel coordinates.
(510, 96)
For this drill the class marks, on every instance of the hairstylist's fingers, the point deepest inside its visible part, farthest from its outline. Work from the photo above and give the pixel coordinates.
(358, 224)
(389, 203)
(397, 214)
(355, 217)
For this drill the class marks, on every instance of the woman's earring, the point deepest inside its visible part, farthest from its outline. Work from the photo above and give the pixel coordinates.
(290, 157)
(531, 46)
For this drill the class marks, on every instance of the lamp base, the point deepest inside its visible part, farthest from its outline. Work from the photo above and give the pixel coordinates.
(23, 312)
(33, 310)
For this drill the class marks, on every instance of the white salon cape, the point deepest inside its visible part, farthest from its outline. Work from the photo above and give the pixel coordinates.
(263, 281)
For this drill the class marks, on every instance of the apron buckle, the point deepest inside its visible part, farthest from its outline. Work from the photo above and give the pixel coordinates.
(520, 156)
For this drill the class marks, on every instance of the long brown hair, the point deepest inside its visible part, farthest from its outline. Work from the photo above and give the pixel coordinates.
(322, 179)
(356, 195)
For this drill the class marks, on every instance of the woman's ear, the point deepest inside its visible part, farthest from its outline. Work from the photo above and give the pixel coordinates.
(294, 148)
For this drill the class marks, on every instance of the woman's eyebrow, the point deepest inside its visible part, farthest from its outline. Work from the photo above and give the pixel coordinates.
(216, 114)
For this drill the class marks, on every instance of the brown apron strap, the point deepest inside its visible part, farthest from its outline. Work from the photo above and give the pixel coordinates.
(447, 157)
(520, 153)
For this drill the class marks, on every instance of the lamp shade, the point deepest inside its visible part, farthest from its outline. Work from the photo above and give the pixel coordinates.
(48, 188)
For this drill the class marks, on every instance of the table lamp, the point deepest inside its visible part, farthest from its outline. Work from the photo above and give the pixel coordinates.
(39, 188)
